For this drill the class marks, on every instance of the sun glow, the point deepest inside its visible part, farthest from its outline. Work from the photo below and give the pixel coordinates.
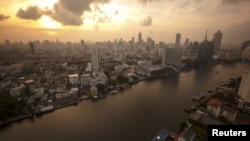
(47, 22)
(108, 13)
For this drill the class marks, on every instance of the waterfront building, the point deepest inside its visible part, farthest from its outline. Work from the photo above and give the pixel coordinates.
(246, 53)
(229, 54)
(172, 56)
(74, 79)
(217, 41)
(178, 39)
(205, 51)
(244, 89)
(213, 106)
(85, 79)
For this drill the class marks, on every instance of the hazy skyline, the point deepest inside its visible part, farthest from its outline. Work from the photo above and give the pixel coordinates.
(98, 20)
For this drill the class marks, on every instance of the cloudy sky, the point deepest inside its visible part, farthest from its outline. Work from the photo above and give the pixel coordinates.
(98, 20)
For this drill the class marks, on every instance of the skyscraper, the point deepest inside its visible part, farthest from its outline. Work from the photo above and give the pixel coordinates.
(217, 41)
(140, 38)
(172, 56)
(178, 39)
(95, 59)
(32, 48)
(205, 51)
(244, 89)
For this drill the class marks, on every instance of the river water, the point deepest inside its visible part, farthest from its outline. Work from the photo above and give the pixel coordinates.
(134, 114)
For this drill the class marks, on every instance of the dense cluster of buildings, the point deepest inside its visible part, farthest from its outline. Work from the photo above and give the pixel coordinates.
(50, 75)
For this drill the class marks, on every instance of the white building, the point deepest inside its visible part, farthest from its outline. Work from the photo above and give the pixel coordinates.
(95, 59)
(17, 91)
(74, 79)
(89, 67)
(244, 89)
(172, 56)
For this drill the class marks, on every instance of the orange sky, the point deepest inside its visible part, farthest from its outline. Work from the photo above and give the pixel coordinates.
(98, 20)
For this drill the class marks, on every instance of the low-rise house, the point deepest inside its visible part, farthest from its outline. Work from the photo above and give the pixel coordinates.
(228, 113)
(214, 106)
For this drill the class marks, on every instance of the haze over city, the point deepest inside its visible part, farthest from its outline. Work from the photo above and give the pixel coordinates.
(98, 20)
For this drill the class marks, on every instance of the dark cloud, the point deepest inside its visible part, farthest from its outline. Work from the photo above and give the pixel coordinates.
(67, 12)
(79, 6)
(31, 13)
(147, 21)
(3, 17)
(64, 16)
(234, 1)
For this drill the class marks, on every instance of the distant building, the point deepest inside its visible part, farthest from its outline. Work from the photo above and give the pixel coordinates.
(95, 59)
(89, 67)
(178, 39)
(194, 47)
(150, 42)
(74, 79)
(217, 41)
(172, 56)
(244, 89)
(32, 48)
(140, 38)
(186, 43)
(246, 53)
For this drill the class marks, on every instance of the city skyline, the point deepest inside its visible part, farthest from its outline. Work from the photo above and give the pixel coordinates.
(98, 20)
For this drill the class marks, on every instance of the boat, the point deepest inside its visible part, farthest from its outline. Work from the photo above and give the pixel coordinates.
(198, 96)
(47, 109)
(126, 85)
(114, 92)
(162, 135)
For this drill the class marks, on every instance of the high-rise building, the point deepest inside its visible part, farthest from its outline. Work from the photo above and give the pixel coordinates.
(217, 41)
(205, 51)
(32, 48)
(150, 42)
(95, 59)
(140, 38)
(178, 39)
(186, 42)
(172, 56)
(244, 89)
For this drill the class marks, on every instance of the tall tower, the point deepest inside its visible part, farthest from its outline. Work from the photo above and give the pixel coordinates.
(139, 37)
(244, 89)
(205, 51)
(95, 59)
(32, 48)
(217, 41)
(178, 39)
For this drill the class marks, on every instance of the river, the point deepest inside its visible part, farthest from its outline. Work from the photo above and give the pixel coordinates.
(134, 114)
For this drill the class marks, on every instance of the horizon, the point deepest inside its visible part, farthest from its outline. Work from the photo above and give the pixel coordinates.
(103, 20)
